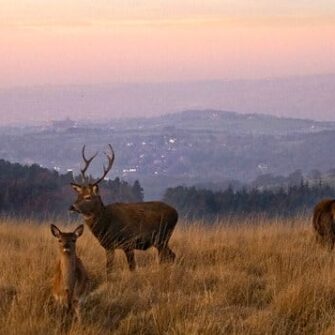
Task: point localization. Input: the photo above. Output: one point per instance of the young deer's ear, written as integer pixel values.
(55, 231)
(95, 189)
(76, 187)
(79, 230)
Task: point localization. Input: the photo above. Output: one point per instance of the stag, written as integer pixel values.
(125, 226)
(324, 222)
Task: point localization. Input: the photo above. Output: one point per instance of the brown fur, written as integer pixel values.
(324, 221)
(70, 278)
(126, 226)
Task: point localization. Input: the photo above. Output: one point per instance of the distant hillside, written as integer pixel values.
(191, 147)
(235, 123)
(299, 97)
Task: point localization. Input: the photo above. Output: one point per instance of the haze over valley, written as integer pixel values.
(192, 147)
(296, 97)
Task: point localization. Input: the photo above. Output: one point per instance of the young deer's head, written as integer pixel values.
(88, 198)
(67, 241)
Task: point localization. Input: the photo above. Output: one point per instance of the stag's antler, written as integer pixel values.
(111, 158)
(87, 162)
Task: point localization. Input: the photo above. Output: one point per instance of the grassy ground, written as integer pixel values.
(257, 277)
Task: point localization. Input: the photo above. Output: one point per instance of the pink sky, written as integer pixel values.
(87, 42)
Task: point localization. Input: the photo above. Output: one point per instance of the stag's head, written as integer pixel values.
(88, 198)
(67, 241)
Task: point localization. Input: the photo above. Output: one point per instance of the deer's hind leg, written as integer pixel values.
(331, 242)
(130, 254)
(165, 254)
(110, 253)
(77, 309)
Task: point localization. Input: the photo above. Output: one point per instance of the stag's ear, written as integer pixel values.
(55, 231)
(76, 187)
(79, 230)
(95, 189)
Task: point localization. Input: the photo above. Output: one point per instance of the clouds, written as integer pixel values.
(86, 14)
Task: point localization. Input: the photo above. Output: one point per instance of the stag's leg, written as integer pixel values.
(66, 318)
(109, 263)
(76, 307)
(328, 242)
(131, 259)
(165, 254)
(69, 303)
(318, 238)
(331, 243)
(329, 238)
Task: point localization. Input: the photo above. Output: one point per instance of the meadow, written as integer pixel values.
(239, 276)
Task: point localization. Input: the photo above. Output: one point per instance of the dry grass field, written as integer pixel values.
(253, 276)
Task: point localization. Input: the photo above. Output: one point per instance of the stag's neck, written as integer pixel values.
(68, 269)
(97, 222)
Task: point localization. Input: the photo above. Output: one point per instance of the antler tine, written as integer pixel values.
(87, 162)
(111, 158)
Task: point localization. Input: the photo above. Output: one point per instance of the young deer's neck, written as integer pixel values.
(68, 269)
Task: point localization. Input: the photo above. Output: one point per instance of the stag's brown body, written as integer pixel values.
(324, 221)
(134, 226)
(126, 226)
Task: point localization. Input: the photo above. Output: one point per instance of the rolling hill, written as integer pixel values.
(190, 147)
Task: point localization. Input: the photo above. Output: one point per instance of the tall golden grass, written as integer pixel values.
(247, 276)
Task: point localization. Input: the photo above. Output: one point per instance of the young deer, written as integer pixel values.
(70, 279)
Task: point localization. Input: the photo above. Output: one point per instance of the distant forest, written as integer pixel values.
(36, 191)
(194, 203)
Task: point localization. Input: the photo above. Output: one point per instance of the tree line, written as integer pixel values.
(37, 191)
(194, 203)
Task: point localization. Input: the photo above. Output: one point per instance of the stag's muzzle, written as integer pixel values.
(72, 208)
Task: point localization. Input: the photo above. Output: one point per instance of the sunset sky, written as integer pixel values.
(87, 42)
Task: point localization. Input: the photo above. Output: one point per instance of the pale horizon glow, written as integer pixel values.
(93, 42)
